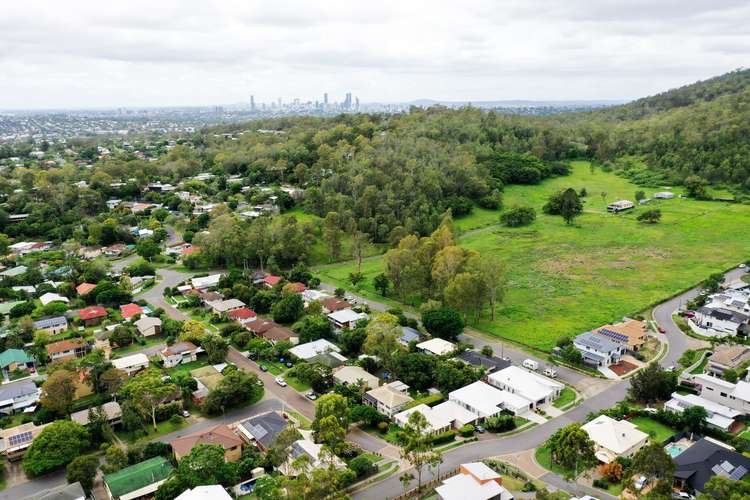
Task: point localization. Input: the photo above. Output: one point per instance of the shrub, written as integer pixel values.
(444, 437)
(383, 427)
(600, 483)
(362, 466)
(518, 216)
(500, 423)
(467, 430)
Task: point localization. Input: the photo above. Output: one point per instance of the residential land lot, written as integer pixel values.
(658, 431)
(566, 279)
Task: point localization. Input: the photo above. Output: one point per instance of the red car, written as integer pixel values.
(661, 329)
(689, 314)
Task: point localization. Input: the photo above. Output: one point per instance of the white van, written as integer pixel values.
(550, 372)
(530, 364)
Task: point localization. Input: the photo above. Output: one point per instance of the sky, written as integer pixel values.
(93, 53)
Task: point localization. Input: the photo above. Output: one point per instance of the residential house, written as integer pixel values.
(346, 319)
(311, 295)
(619, 206)
(705, 459)
(53, 326)
(220, 435)
(263, 429)
(437, 347)
(129, 311)
(14, 272)
(312, 450)
(139, 480)
(534, 388)
(333, 304)
(479, 360)
(5, 307)
(92, 316)
(485, 400)
(14, 441)
(242, 315)
(18, 396)
(205, 282)
(388, 399)
(632, 333)
(598, 350)
(111, 411)
(148, 326)
(271, 281)
(12, 360)
(67, 349)
(131, 364)
(179, 352)
(440, 418)
(717, 415)
(353, 375)
(718, 321)
(409, 334)
(208, 298)
(50, 297)
(735, 396)
(614, 438)
(475, 481)
(727, 356)
(177, 248)
(309, 350)
(115, 250)
(207, 492)
(664, 195)
(208, 378)
(225, 306)
(296, 287)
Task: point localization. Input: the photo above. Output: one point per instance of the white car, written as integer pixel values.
(550, 372)
(281, 381)
(530, 364)
(640, 482)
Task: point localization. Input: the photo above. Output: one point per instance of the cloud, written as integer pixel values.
(85, 53)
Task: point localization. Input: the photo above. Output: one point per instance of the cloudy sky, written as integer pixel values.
(93, 53)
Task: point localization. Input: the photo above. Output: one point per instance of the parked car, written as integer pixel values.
(311, 395)
(690, 314)
(742, 266)
(281, 381)
(185, 413)
(640, 482)
(479, 429)
(530, 364)
(506, 358)
(550, 372)
(681, 495)
(670, 368)
(263, 368)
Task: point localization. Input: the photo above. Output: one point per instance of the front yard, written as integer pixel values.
(567, 397)
(162, 428)
(658, 431)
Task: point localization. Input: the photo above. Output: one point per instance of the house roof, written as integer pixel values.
(65, 345)
(208, 492)
(409, 334)
(297, 287)
(129, 361)
(220, 435)
(50, 297)
(179, 348)
(146, 322)
(473, 485)
(50, 322)
(227, 305)
(111, 409)
(63, 492)
(347, 316)
(718, 415)
(492, 363)
(631, 331)
(486, 399)
(388, 396)
(729, 355)
(435, 421)
(130, 310)
(724, 314)
(242, 313)
(526, 384)
(278, 333)
(92, 312)
(208, 376)
(260, 326)
(264, 428)
(272, 280)
(437, 346)
(617, 436)
(18, 389)
(5, 307)
(20, 436)
(138, 476)
(708, 458)
(597, 342)
(14, 271)
(206, 281)
(333, 304)
(312, 349)
(18, 356)
(352, 374)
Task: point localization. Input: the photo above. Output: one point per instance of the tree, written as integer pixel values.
(280, 449)
(452, 374)
(612, 471)
(383, 333)
(319, 376)
(288, 309)
(518, 216)
(465, 294)
(653, 462)
(331, 405)
(312, 328)
(216, 348)
(640, 195)
(443, 322)
(332, 234)
(193, 331)
(235, 388)
(56, 446)
(148, 248)
(112, 380)
(406, 478)
(696, 187)
(83, 470)
(146, 392)
(205, 465)
(652, 384)
(58, 391)
(416, 369)
(356, 279)
(570, 205)
(650, 216)
(730, 375)
(117, 459)
(359, 242)
(694, 419)
(417, 446)
(381, 284)
(723, 488)
(571, 447)
(330, 432)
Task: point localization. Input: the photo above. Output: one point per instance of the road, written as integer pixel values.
(155, 295)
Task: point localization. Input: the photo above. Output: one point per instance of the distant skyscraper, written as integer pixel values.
(348, 101)
(356, 104)
(325, 99)
(252, 103)
(279, 101)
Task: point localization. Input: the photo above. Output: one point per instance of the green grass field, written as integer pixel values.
(658, 431)
(564, 280)
(567, 396)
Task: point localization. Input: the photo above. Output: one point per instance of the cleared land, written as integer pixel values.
(563, 280)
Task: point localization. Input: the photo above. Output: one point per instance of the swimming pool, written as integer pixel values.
(675, 449)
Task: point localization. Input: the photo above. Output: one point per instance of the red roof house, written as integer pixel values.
(271, 280)
(297, 287)
(243, 315)
(84, 288)
(130, 310)
(190, 251)
(92, 315)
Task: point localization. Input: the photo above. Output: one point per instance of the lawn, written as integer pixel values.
(658, 431)
(543, 457)
(137, 346)
(163, 428)
(567, 396)
(186, 367)
(699, 369)
(566, 279)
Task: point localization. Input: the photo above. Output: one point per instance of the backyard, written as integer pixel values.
(658, 431)
(566, 279)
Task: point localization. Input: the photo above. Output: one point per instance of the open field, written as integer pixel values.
(563, 280)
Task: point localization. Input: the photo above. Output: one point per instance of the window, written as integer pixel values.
(723, 394)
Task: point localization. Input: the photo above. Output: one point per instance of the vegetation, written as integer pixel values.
(56, 446)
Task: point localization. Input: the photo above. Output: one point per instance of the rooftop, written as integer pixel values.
(220, 435)
(138, 476)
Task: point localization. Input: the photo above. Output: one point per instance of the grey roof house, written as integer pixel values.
(263, 429)
(598, 350)
(708, 458)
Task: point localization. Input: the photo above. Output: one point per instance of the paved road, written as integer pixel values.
(31, 489)
(678, 341)
(155, 294)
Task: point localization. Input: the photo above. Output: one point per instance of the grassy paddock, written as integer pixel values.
(566, 279)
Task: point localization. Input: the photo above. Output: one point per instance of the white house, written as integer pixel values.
(474, 481)
(388, 399)
(205, 282)
(718, 321)
(442, 417)
(131, 364)
(598, 350)
(345, 319)
(50, 297)
(437, 346)
(17, 396)
(487, 401)
(148, 326)
(735, 396)
(435, 423)
(312, 450)
(177, 353)
(353, 374)
(225, 306)
(614, 438)
(212, 492)
(664, 195)
(536, 389)
(718, 415)
(619, 206)
(311, 349)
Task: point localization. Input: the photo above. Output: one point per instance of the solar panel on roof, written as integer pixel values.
(727, 466)
(738, 473)
(716, 469)
(20, 438)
